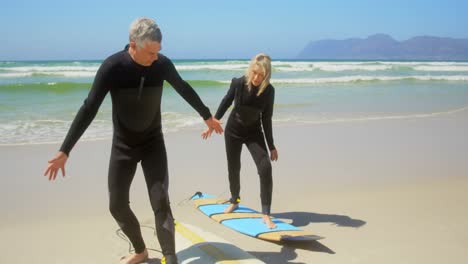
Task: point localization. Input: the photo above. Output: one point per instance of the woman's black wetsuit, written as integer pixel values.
(136, 114)
(244, 126)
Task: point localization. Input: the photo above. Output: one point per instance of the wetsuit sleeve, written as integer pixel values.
(266, 119)
(185, 90)
(87, 111)
(227, 101)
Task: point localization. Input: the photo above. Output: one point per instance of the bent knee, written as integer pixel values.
(264, 167)
(118, 207)
(160, 203)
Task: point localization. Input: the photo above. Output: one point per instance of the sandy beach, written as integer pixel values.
(388, 191)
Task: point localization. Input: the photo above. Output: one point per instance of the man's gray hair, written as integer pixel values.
(144, 29)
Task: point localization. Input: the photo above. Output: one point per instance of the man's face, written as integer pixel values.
(147, 54)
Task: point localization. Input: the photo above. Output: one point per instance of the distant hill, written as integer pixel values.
(384, 47)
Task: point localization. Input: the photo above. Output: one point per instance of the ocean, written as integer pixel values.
(39, 99)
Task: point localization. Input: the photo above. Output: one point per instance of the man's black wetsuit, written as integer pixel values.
(244, 126)
(136, 114)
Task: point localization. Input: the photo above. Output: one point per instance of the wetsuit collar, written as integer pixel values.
(129, 57)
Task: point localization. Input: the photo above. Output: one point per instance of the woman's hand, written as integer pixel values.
(274, 155)
(207, 133)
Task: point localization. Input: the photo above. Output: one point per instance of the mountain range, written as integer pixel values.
(384, 47)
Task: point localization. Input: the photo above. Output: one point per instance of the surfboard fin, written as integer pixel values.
(198, 194)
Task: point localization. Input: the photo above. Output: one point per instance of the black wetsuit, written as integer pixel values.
(136, 114)
(244, 126)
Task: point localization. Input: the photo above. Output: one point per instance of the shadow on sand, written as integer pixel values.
(153, 261)
(304, 218)
(213, 252)
(288, 254)
(288, 251)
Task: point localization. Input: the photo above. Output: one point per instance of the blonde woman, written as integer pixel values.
(253, 97)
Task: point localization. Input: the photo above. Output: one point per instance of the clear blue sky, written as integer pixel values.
(85, 29)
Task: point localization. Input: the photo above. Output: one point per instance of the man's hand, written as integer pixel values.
(215, 124)
(58, 162)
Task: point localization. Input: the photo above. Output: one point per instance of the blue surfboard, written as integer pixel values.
(248, 221)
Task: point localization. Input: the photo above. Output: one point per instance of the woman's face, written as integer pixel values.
(257, 75)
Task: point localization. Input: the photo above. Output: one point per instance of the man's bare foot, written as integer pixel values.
(135, 258)
(231, 208)
(268, 222)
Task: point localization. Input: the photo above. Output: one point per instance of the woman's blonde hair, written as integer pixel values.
(263, 62)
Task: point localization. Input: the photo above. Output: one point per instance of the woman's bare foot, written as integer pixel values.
(231, 208)
(135, 258)
(268, 222)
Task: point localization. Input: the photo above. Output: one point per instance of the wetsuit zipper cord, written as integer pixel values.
(140, 88)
